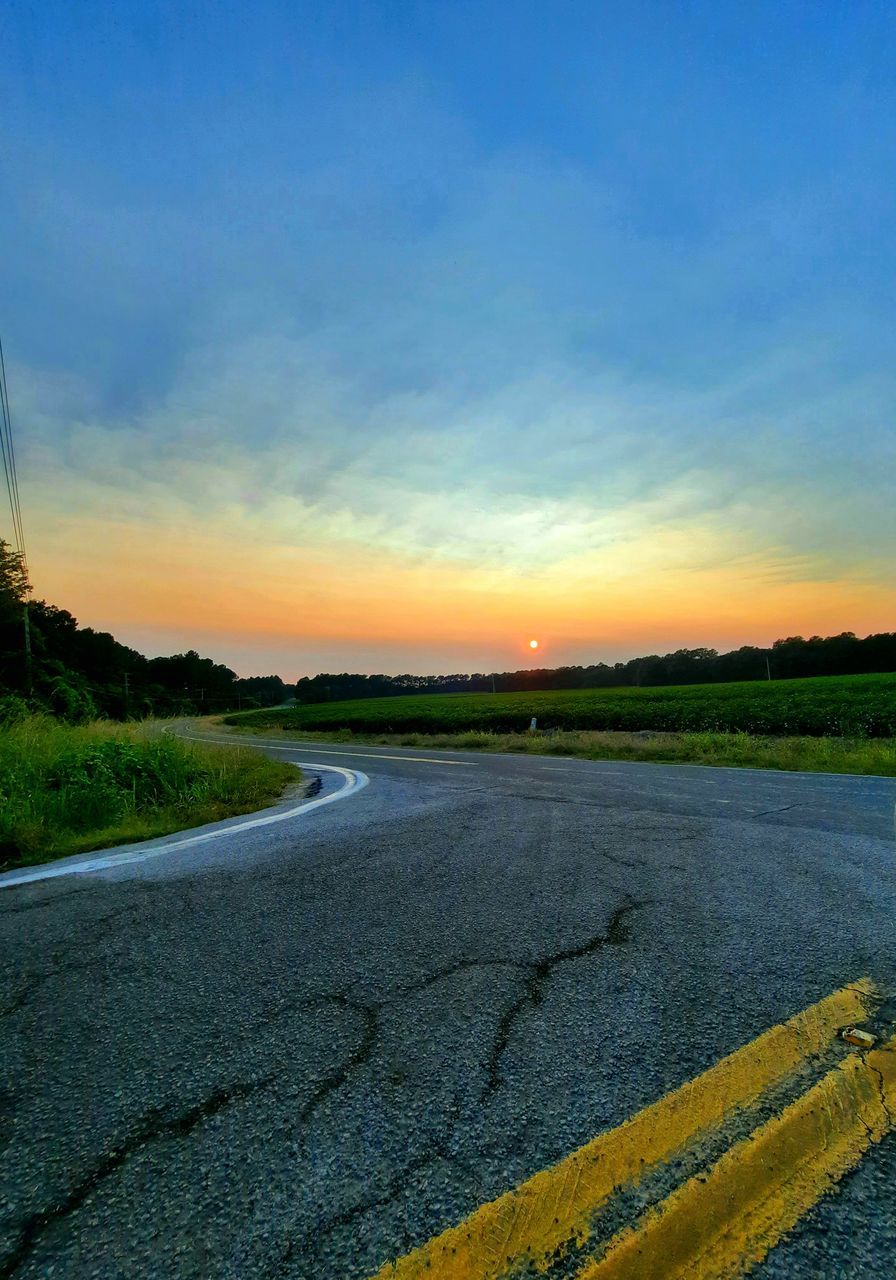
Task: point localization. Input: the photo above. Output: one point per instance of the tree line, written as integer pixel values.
(844, 654)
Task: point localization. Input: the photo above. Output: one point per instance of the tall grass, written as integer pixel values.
(745, 750)
(65, 788)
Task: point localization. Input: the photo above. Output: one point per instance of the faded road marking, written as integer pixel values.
(553, 1208)
(234, 741)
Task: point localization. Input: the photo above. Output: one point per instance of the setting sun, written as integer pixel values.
(533, 644)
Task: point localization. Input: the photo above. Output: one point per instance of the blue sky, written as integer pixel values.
(444, 323)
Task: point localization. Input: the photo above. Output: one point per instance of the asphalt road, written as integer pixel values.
(301, 1049)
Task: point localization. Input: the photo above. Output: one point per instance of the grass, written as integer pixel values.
(743, 750)
(65, 789)
(856, 707)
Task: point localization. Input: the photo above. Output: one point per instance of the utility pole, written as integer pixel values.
(127, 698)
(29, 682)
(493, 682)
(768, 670)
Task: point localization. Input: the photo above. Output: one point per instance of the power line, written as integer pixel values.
(12, 475)
(7, 448)
(7, 467)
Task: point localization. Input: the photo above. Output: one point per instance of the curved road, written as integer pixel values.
(304, 1048)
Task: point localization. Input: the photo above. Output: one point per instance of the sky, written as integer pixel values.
(385, 336)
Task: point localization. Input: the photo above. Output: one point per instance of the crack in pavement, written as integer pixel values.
(59, 962)
(358, 1057)
(295, 1246)
(882, 1090)
(48, 901)
(638, 862)
(36, 981)
(765, 812)
(156, 1125)
(448, 971)
(153, 1126)
(538, 973)
(542, 799)
(394, 1190)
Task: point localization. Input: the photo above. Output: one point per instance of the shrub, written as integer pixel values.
(12, 709)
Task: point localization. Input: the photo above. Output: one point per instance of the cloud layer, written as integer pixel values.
(373, 380)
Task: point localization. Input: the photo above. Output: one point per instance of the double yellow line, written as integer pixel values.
(719, 1222)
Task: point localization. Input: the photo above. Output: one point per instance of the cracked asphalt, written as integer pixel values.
(301, 1050)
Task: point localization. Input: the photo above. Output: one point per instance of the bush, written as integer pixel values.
(12, 709)
(69, 702)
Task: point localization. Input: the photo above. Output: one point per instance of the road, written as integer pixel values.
(304, 1049)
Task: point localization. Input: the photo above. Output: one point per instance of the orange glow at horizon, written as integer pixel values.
(198, 588)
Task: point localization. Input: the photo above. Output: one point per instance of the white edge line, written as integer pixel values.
(366, 755)
(355, 781)
(301, 743)
(584, 761)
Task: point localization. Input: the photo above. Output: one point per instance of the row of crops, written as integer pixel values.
(843, 706)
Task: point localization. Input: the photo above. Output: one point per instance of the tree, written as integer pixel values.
(14, 588)
(14, 584)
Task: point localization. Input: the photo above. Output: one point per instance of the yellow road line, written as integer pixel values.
(538, 1217)
(720, 1225)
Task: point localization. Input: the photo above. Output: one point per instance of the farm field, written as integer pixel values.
(857, 707)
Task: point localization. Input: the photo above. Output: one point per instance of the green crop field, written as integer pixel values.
(838, 706)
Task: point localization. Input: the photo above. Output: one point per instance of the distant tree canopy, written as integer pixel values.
(78, 672)
(845, 654)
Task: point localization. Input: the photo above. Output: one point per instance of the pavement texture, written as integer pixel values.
(303, 1049)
